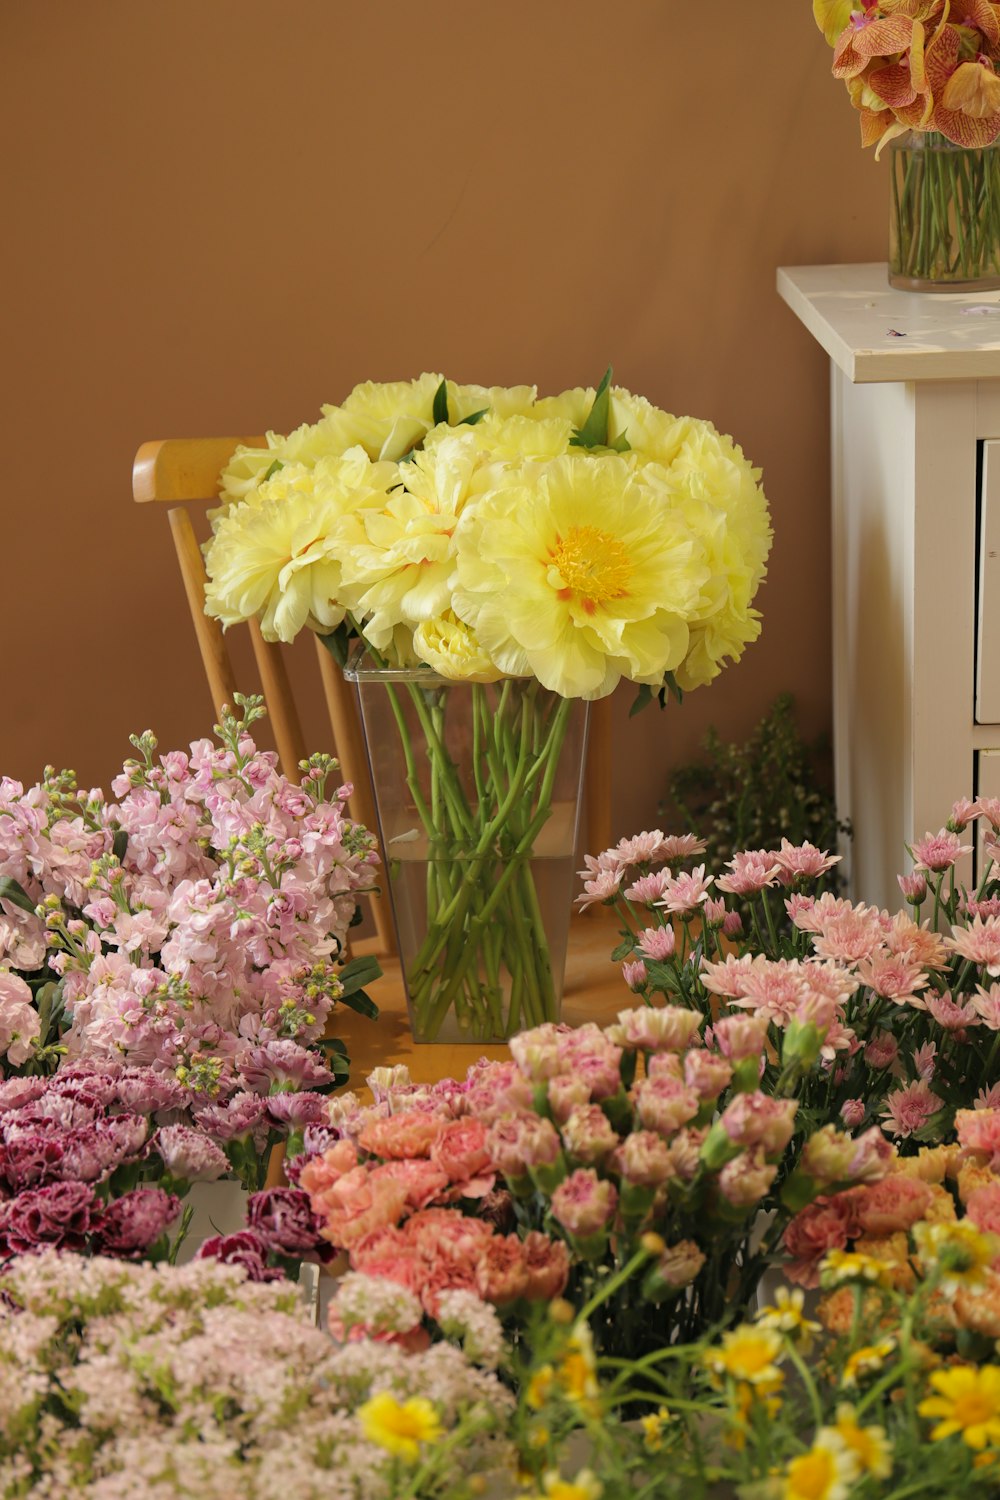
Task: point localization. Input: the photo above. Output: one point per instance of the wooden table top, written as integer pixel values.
(594, 991)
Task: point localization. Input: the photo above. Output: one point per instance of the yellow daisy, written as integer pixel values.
(826, 1472)
(967, 1401)
(400, 1427)
(867, 1360)
(869, 1445)
(749, 1354)
(958, 1253)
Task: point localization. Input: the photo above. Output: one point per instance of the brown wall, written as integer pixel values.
(222, 213)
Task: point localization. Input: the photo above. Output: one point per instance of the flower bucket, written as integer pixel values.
(477, 790)
(944, 215)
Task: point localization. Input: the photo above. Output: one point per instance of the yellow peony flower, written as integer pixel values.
(386, 418)
(504, 401)
(579, 576)
(967, 1401)
(276, 555)
(450, 647)
(399, 1427)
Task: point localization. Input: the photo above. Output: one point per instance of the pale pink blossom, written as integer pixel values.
(802, 861)
(988, 1098)
(680, 1264)
(951, 1016)
(852, 1112)
(658, 943)
(989, 808)
(601, 886)
(634, 974)
(739, 1037)
(916, 942)
(650, 848)
(588, 1135)
(894, 977)
(909, 1108)
(667, 1028)
(849, 936)
(751, 870)
(745, 1180)
(647, 889)
(939, 851)
(963, 812)
(706, 1073)
(925, 1061)
(913, 887)
(980, 943)
(978, 1131)
(685, 893)
(758, 1120)
(987, 906)
(728, 978)
(882, 1050)
(732, 925)
(643, 1159)
(664, 1104)
(987, 1005)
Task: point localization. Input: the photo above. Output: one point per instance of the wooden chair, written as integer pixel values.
(175, 471)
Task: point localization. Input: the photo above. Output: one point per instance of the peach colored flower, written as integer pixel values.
(897, 1202)
(979, 942)
(403, 1136)
(358, 1204)
(460, 1150)
(908, 1109)
(546, 1265)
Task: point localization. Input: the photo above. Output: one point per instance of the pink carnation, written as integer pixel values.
(584, 1204)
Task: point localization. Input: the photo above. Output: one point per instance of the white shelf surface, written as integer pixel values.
(874, 333)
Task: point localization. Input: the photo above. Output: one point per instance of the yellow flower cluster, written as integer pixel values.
(489, 533)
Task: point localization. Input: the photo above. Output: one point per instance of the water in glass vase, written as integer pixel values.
(944, 215)
(477, 788)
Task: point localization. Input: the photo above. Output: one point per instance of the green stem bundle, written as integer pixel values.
(945, 212)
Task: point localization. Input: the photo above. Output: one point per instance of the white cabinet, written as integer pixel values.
(915, 441)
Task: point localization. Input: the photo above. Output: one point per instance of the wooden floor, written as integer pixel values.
(595, 991)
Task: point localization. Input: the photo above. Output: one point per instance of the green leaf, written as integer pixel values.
(473, 418)
(15, 894)
(594, 432)
(440, 410)
(119, 844)
(361, 1002)
(359, 972)
(272, 470)
(623, 951)
(643, 698)
(338, 643)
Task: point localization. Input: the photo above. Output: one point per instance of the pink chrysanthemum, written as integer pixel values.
(939, 851)
(752, 870)
(908, 1109)
(980, 943)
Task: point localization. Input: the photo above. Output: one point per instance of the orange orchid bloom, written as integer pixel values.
(966, 93)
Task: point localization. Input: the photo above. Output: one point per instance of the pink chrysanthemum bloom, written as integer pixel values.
(988, 906)
(732, 925)
(648, 888)
(801, 861)
(989, 808)
(908, 1109)
(980, 942)
(882, 1050)
(915, 941)
(939, 851)
(852, 1112)
(988, 1098)
(962, 814)
(634, 974)
(987, 1006)
(728, 978)
(925, 1061)
(951, 1016)
(913, 887)
(774, 988)
(752, 870)
(656, 942)
(686, 892)
(681, 846)
(657, 848)
(603, 887)
(893, 977)
(850, 935)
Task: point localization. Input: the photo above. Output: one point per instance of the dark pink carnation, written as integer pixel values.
(135, 1221)
(284, 1221)
(245, 1249)
(58, 1215)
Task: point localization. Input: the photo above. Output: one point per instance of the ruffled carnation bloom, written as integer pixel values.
(189, 1155)
(584, 1204)
(758, 1120)
(60, 1215)
(131, 1224)
(643, 1159)
(978, 1131)
(244, 1249)
(740, 1037)
(680, 1264)
(588, 1135)
(745, 1180)
(668, 1028)
(824, 1225)
(663, 1104)
(283, 1220)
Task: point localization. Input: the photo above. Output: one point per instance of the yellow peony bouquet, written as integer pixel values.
(540, 549)
(576, 539)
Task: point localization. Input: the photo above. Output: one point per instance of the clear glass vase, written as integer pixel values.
(944, 215)
(477, 790)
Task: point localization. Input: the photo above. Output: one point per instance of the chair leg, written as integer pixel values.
(280, 703)
(349, 748)
(208, 632)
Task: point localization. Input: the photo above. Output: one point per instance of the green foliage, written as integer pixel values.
(750, 796)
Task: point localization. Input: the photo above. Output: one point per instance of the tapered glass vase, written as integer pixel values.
(477, 790)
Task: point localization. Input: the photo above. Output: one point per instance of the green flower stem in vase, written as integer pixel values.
(478, 791)
(944, 220)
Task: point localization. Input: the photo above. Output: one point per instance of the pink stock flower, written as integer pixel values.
(758, 1120)
(19, 1022)
(938, 851)
(752, 870)
(801, 861)
(588, 1135)
(658, 943)
(980, 943)
(584, 1204)
(745, 1180)
(685, 893)
(908, 1109)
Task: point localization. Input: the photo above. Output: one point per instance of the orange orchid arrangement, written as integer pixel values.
(924, 65)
